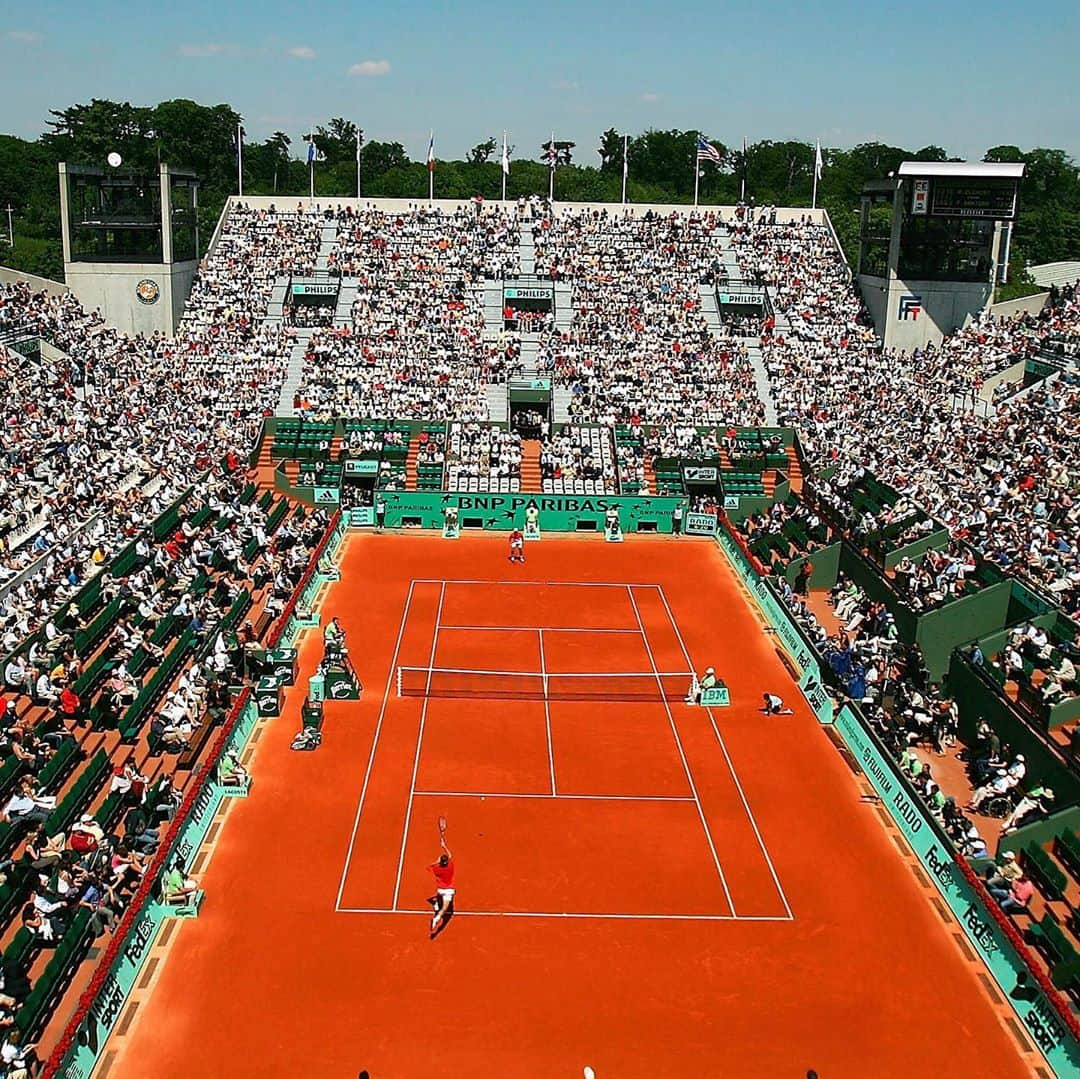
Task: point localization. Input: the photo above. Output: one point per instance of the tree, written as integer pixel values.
(481, 153)
(379, 158)
(611, 151)
(279, 144)
(1012, 154)
(337, 141)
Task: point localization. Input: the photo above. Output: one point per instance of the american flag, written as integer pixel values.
(707, 152)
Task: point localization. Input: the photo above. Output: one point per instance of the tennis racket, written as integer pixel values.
(442, 828)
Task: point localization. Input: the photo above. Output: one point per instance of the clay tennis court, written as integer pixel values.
(644, 887)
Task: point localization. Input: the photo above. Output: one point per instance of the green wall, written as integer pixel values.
(826, 562)
(977, 697)
(558, 513)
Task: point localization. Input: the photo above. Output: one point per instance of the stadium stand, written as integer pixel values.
(137, 559)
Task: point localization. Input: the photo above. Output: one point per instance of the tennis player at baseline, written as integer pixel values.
(443, 899)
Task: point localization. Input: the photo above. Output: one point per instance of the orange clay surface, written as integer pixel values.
(704, 894)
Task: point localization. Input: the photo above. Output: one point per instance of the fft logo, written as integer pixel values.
(910, 306)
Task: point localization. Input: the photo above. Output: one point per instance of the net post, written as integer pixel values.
(399, 681)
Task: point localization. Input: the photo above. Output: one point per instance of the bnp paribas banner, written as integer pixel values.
(558, 513)
(993, 947)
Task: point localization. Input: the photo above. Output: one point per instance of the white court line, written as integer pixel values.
(374, 746)
(545, 629)
(678, 743)
(419, 742)
(558, 797)
(538, 584)
(730, 764)
(577, 914)
(547, 710)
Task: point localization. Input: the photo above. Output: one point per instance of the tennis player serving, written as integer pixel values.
(443, 870)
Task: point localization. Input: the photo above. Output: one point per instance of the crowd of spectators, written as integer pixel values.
(638, 347)
(416, 345)
(483, 457)
(578, 460)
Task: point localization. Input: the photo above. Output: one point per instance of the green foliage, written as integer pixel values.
(185, 133)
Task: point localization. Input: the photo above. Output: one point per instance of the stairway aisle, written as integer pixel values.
(410, 464)
(761, 379)
(794, 470)
(527, 250)
(294, 373)
(530, 466)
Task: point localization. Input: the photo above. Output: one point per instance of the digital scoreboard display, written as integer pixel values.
(994, 199)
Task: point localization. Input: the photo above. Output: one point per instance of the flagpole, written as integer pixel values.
(742, 183)
(358, 161)
(625, 165)
(697, 168)
(551, 170)
(311, 161)
(431, 168)
(817, 169)
(502, 168)
(240, 157)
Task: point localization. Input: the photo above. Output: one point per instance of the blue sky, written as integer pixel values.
(963, 75)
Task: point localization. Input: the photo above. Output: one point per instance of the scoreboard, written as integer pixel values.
(963, 197)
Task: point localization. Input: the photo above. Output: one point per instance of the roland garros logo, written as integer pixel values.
(147, 291)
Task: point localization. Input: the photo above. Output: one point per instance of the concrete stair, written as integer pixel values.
(564, 310)
(328, 234)
(761, 378)
(710, 311)
(492, 300)
(527, 252)
(275, 309)
(530, 466)
(530, 352)
(294, 373)
(560, 404)
(345, 300)
(497, 402)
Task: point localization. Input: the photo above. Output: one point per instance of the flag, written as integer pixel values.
(818, 163)
(505, 158)
(625, 156)
(707, 152)
(552, 153)
(431, 153)
(312, 152)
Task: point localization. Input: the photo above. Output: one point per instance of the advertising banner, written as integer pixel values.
(558, 513)
(801, 655)
(1008, 969)
(701, 524)
(356, 466)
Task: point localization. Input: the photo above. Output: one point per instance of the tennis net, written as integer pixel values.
(539, 686)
